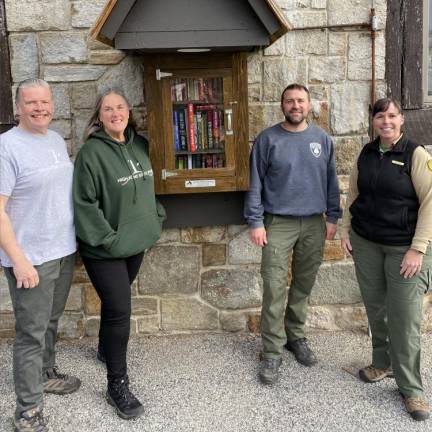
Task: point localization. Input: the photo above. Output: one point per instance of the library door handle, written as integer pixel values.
(165, 174)
(228, 129)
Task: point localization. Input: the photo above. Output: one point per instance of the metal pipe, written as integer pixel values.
(374, 28)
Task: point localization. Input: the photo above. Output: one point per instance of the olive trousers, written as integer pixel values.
(304, 237)
(394, 309)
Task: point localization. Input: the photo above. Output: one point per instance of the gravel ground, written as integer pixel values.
(208, 382)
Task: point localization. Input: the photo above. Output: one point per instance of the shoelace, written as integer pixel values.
(124, 393)
(38, 418)
(417, 403)
(58, 375)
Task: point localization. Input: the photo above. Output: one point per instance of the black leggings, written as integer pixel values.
(112, 279)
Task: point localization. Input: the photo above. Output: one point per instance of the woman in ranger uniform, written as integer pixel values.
(117, 217)
(388, 230)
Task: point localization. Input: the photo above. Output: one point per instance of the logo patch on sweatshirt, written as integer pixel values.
(315, 148)
(429, 164)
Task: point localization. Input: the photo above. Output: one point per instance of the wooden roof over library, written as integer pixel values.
(189, 25)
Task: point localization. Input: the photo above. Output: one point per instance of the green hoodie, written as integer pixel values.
(116, 212)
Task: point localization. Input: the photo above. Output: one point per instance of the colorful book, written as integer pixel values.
(182, 130)
(191, 128)
(176, 130)
(215, 130)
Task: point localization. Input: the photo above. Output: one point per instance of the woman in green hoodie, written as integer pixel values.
(117, 217)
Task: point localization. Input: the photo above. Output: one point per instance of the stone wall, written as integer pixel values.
(207, 279)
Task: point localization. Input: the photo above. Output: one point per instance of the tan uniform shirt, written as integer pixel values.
(421, 176)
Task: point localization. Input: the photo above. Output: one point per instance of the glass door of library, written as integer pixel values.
(200, 153)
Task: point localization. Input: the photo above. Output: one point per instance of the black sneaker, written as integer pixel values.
(122, 399)
(302, 352)
(58, 383)
(31, 420)
(269, 370)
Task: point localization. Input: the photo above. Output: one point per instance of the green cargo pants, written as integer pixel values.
(37, 312)
(304, 237)
(394, 309)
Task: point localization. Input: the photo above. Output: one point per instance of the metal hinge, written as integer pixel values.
(165, 174)
(160, 74)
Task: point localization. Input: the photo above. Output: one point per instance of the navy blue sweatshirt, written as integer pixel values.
(292, 174)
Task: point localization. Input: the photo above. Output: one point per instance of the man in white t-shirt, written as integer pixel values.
(37, 248)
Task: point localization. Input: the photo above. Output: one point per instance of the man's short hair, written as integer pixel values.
(295, 87)
(30, 82)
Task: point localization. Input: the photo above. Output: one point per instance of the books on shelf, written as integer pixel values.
(198, 118)
(197, 128)
(201, 160)
(197, 89)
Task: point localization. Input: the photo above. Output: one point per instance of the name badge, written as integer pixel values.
(397, 163)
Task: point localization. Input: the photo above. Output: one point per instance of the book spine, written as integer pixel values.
(197, 119)
(189, 161)
(215, 131)
(182, 130)
(191, 128)
(210, 129)
(176, 130)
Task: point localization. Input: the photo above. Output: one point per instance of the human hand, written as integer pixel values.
(346, 246)
(331, 229)
(411, 263)
(26, 275)
(258, 236)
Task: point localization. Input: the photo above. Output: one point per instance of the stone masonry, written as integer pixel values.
(207, 279)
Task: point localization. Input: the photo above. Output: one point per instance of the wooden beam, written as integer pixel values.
(412, 60)
(394, 43)
(284, 25)
(6, 106)
(95, 30)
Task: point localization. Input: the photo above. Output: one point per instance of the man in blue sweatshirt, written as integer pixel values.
(292, 207)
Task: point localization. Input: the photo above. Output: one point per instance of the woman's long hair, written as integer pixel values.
(94, 123)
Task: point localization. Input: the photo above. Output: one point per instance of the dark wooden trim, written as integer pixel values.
(394, 43)
(95, 30)
(6, 107)
(412, 64)
(404, 52)
(116, 18)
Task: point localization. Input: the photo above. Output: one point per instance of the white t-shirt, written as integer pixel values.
(36, 175)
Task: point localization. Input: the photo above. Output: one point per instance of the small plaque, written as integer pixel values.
(200, 183)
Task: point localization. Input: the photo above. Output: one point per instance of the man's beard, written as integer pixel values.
(294, 120)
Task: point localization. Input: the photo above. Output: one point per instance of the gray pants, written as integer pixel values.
(305, 238)
(37, 311)
(394, 309)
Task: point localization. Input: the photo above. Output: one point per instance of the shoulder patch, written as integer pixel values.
(429, 164)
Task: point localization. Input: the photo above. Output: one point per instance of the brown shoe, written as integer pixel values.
(372, 374)
(417, 407)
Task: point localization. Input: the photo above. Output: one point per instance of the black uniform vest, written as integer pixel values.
(386, 208)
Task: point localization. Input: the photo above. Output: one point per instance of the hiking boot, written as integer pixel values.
(122, 399)
(269, 370)
(370, 374)
(31, 420)
(58, 383)
(417, 407)
(303, 354)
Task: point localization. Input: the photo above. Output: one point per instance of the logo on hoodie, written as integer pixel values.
(135, 173)
(315, 148)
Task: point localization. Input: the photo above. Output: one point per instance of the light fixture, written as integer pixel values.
(193, 50)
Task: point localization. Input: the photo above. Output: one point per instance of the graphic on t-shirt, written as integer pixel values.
(315, 148)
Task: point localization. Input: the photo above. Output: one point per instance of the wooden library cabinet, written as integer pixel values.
(198, 121)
